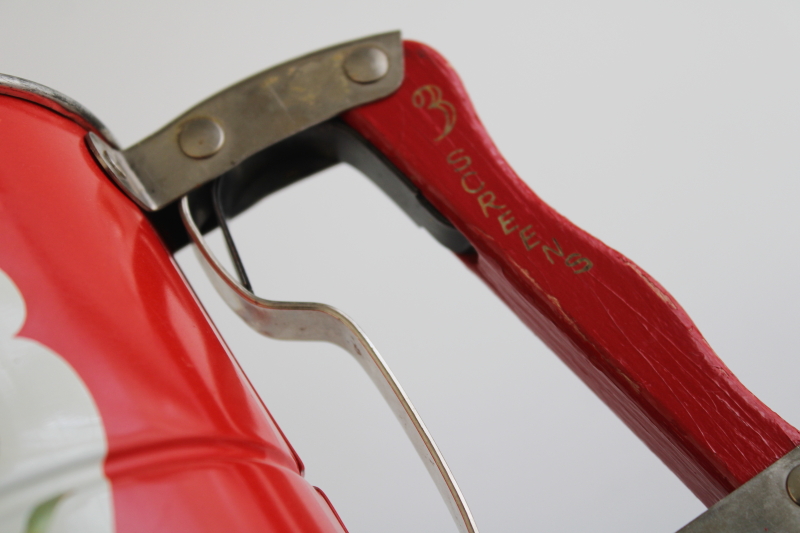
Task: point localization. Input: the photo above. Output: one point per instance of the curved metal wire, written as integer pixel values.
(320, 322)
(219, 211)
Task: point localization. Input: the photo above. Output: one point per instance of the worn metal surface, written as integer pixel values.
(761, 504)
(257, 113)
(54, 100)
(201, 137)
(366, 65)
(116, 167)
(320, 322)
(793, 484)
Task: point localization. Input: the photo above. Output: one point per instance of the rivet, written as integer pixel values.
(116, 169)
(367, 64)
(793, 484)
(201, 137)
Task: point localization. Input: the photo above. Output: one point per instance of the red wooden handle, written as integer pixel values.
(615, 326)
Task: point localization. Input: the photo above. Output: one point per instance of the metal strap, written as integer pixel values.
(217, 135)
(320, 322)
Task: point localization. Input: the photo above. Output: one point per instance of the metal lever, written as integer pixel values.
(320, 322)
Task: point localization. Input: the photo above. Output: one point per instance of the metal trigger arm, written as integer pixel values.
(278, 166)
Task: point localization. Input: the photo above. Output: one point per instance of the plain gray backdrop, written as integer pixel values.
(670, 130)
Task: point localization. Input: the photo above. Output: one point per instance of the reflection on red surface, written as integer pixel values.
(191, 447)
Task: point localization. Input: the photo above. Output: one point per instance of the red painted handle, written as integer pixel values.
(615, 326)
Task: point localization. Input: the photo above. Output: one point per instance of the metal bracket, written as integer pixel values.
(765, 503)
(218, 134)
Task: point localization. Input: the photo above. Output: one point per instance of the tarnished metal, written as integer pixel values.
(54, 100)
(320, 322)
(116, 166)
(367, 64)
(761, 504)
(261, 111)
(793, 484)
(201, 137)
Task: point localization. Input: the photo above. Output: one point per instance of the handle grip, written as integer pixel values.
(611, 323)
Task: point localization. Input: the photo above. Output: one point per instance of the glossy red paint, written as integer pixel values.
(191, 447)
(615, 326)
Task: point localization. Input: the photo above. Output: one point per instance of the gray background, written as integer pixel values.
(670, 130)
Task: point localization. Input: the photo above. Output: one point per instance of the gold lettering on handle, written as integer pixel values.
(486, 200)
(506, 222)
(430, 97)
(467, 187)
(461, 162)
(586, 268)
(575, 259)
(527, 237)
(557, 250)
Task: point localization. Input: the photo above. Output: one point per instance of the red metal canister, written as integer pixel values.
(121, 409)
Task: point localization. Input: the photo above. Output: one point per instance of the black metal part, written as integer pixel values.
(219, 211)
(293, 159)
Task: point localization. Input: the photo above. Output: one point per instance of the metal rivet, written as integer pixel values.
(367, 64)
(793, 484)
(201, 137)
(115, 168)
